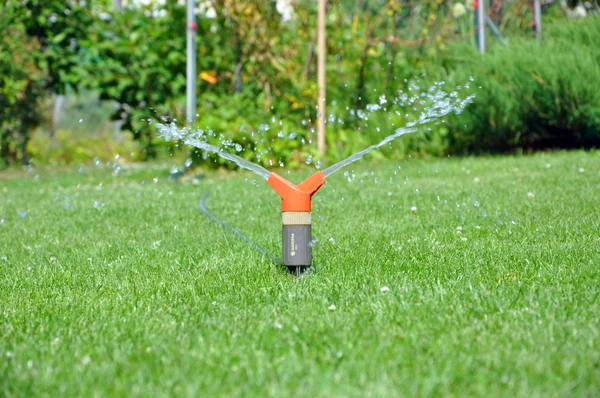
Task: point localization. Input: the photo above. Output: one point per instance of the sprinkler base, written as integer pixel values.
(296, 219)
(298, 269)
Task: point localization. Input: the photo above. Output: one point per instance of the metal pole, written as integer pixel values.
(191, 62)
(537, 11)
(321, 78)
(495, 30)
(481, 24)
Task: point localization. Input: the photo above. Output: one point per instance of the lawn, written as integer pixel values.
(456, 276)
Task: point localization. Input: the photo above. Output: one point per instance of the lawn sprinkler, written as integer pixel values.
(296, 204)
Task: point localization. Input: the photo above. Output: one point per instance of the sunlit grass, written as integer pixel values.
(448, 277)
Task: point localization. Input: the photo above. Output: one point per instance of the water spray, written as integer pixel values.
(296, 206)
(296, 200)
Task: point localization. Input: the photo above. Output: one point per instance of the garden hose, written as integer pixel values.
(235, 231)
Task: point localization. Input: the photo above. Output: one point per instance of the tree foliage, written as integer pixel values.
(136, 60)
(21, 88)
(59, 27)
(39, 53)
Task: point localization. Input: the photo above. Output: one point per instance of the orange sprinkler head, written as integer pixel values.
(296, 198)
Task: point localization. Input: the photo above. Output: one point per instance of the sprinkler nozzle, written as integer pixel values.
(296, 204)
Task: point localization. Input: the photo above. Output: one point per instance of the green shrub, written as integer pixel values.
(70, 147)
(257, 134)
(533, 95)
(137, 61)
(21, 91)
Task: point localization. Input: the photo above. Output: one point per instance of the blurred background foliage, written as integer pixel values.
(84, 80)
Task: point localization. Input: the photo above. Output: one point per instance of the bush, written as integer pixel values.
(250, 132)
(70, 147)
(39, 54)
(136, 60)
(533, 95)
(21, 91)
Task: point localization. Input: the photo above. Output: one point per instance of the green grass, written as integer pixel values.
(142, 295)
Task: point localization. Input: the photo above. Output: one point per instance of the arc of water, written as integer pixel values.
(443, 104)
(440, 109)
(171, 131)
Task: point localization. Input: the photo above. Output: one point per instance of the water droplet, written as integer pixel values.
(309, 159)
(413, 208)
(318, 164)
(80, 120)
(476, 204)
(23, 213)
(97, 205)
